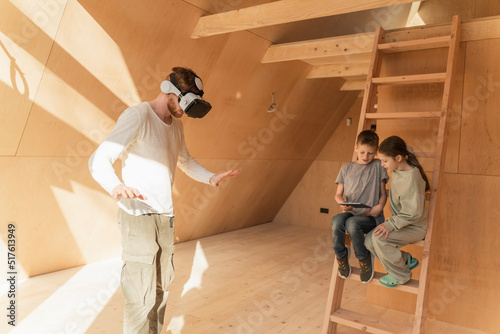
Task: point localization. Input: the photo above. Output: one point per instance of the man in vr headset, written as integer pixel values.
(149, 138)
(190, 97)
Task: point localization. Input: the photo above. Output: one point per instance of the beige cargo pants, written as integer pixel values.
(388, 253)
(148, 269)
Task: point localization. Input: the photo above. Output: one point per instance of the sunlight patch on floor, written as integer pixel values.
(200, 265)
(78, 302)
(176, 324)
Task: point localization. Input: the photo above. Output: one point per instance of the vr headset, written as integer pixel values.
(192, 104)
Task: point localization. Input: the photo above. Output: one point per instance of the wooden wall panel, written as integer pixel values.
(451, 163)
(480, 117)
(253, 198)
(435, 12)
(249, 131)
(315, 190)
(432, 12)
(155, 38)
(422, 134)
(464, 290)
(341, 145)
(91, 80)
(62, 218)
(317, 187)
(27, 30)
(485, 8)
(348, 102)
(241, 97)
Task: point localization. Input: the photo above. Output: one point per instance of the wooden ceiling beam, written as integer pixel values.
(283, 11)
(349, 48)
(342, 47)
(338, 70)
(352, 58)
(353, 85)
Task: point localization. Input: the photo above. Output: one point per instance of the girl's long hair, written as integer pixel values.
(394, 146)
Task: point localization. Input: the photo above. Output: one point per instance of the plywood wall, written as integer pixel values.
(463, 281)
(432, 12)
(317, 187)
(69, 68)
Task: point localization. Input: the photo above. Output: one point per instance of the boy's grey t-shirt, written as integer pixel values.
(362, 184)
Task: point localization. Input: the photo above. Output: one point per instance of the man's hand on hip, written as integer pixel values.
(126, 192)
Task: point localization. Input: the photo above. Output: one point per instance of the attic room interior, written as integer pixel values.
(291, 84)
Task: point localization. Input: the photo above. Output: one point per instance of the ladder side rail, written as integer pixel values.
(370, 89)
(333, 302)
(422, 298)
(337, 283)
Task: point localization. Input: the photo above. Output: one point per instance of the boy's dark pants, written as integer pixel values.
(357, 226)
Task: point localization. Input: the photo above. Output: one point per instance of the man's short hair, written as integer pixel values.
(185, 78)
(367, 137)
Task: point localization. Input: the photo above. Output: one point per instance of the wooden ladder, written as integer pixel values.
(334, 314)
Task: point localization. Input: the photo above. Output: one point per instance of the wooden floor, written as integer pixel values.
(271, 278)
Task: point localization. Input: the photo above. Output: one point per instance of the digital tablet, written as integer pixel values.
(356, 205)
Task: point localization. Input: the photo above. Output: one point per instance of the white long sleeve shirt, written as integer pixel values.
(150, 149)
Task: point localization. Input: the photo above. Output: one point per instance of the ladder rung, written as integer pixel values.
(411, 286)
(410, 79)
(416, 44)
(401, 115)
(418, 243)
(367, 323)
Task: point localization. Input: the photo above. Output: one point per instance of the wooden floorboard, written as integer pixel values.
(266, 279)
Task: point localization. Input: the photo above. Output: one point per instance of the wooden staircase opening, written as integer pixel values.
(334, 314)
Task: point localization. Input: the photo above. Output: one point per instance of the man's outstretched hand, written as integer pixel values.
(216, 178)
(126, 192)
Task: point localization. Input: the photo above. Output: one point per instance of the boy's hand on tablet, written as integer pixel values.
(346, 207)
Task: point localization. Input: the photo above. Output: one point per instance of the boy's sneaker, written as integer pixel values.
(366, 269)
(344, 267)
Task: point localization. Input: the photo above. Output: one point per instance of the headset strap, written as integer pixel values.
(176, 84)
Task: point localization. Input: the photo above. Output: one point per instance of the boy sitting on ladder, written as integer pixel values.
(362, 181)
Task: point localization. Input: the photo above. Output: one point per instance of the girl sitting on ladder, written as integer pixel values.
(409, 215)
